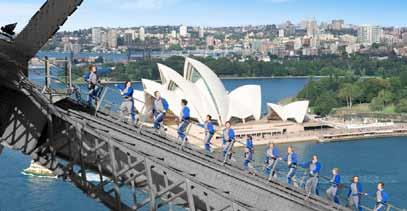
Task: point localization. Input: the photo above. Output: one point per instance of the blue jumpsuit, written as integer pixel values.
(227, 140)
(311, 185)
(332, 191)
(160, 107)
(292, 166)
(381, 200)
(185, 116)
(248, 155)
(92, 79)
(354, 195)
(209, 132)
(128, 102)
(271, 157)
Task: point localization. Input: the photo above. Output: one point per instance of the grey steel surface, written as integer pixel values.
(86, 147)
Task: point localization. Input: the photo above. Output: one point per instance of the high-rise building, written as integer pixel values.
(377, 34)
(142, 34)
(128, 39)
(337, 24)
(131, 32)
(112, 38)
(404, 37)
(66, 43)
(370, 34)
(281, 33)
(289, 29)
(129, 36)
(96, 35)
(201, 32)
(312, 28)
(174, 34)
(183, 31)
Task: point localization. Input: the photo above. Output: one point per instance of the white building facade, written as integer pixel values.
(369, 34)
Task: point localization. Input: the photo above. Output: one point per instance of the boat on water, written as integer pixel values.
(36, 169)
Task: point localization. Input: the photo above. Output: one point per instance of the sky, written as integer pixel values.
(124, 13)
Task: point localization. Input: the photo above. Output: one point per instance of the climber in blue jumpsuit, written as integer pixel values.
(381, 198)
(92, 79)
(228, 139)
(314, 168)
(271, 155)
(335, 181)
(292, 164)
(209, 132)
(160, 108)
(127, 105)
(355, 193)
(184, 116)
(248, 152)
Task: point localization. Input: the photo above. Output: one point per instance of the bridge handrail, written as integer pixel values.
(389, 206)
(368, 196)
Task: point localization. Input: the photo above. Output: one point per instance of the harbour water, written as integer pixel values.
(374, 160)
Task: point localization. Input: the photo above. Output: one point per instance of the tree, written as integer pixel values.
(349, 92)
(401, 107)
(376, 104)
(386, 96)
(325, 103)
(371, 86)
(345, 92)
(356, 91)
(381, 72)
(403, 78)
(175, 47)
(383, 99)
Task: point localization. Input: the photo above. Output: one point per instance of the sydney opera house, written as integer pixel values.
(296, 111)
(206, 94)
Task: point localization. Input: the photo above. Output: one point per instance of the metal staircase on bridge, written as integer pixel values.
(71, 142)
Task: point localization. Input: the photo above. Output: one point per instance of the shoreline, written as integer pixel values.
(269, 77)
(319, 137)
(236, 78)
(227, 78)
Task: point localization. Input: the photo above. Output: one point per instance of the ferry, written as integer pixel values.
(36, 169)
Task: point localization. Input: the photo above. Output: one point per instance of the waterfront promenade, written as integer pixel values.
(196, 135)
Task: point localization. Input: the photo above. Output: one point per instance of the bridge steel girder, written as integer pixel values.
(251, 190)
(43, 25)
(75, 149)
(90, 148)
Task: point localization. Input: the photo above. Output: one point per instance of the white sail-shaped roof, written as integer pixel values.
(208, 82)
(245, 101)
(139, 100)
(184, 89)
(296, 110)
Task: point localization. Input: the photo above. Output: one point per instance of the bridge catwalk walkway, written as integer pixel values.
(133, 137)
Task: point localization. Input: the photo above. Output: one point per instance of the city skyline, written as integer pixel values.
(129, 13)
